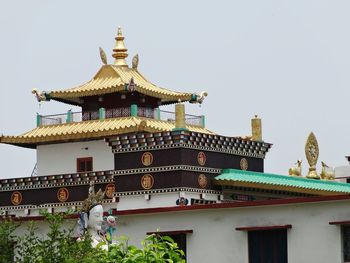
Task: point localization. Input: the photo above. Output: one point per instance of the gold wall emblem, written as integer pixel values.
(202, 181)
(147, 159)
(16, 198)
(243, 164)
(201, 158)
(110, 189)
(147, 181)
(62, 194)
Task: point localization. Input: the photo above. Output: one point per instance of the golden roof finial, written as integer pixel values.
(119, 52)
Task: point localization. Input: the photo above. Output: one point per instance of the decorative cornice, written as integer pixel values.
(59, 180)
(190, 140)
(48, 205)
(168, 190)
(168, 169)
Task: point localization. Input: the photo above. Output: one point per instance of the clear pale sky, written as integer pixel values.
(287, 61)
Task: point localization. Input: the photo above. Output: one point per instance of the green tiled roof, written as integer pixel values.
(290, 182)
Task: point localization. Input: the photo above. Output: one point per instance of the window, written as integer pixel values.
(268, 246)
(179, 237)
(346, 243)
(180, 240)
(84, 164)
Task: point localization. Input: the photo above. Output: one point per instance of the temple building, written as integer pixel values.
(167, 172)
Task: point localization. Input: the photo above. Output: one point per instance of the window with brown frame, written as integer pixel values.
(84, 164)
(268, 246)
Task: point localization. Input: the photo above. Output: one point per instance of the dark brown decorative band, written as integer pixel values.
(49, 205)
(153, 141)
(202, 148)
(168, 169)
(53, 185)
(168, 190)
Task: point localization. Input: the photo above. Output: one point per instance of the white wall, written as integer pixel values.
(158, 200)
(62, 158)
(214, 239)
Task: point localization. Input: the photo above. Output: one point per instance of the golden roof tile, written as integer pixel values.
(112, 78)
(92, 130)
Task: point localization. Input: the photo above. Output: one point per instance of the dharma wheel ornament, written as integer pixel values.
(312, 152)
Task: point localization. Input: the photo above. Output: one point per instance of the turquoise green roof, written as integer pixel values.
(281, 182)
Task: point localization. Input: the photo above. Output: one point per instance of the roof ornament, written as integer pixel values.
(199, 98)
(296, 171)
(40, 96)
(312, 152)
(130, 87)
(135, 61)
(120, 51)
(327, 172)
(103, 56)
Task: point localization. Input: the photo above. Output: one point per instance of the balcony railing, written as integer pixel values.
(43, 120)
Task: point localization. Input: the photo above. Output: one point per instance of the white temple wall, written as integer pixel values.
(158, 200)
(214, 238)
(62, 158)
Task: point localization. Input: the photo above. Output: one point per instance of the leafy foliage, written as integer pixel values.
(7, 240)
(58, 246)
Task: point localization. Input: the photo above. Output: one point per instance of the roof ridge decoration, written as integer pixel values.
(105, 82)
(120, 51)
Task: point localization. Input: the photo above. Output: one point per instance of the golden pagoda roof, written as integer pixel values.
(92, 130)
(113, 78)
(117, 77)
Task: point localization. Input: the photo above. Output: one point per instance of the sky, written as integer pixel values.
(287, 61)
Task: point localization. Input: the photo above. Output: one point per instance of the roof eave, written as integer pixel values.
(267, 186)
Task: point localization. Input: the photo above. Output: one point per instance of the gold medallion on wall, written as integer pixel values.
(147, 181)
(201, 158)
(202, 181)
(16, 198)
(147, 159)
(62, 194)
(243, 164)
(110, 189)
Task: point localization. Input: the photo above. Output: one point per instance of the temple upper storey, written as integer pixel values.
(118, 85)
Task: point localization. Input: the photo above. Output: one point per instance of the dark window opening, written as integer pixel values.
(179, 237)
(84, 164)
(346, 243)
(268, 246)
(180, 240)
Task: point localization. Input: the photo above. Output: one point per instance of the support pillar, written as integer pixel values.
(133, 110)
(101, 113)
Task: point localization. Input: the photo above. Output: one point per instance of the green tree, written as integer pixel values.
(7, 240)
(58, 246)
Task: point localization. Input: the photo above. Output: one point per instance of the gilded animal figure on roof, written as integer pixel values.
(327, 172)
(296, 171)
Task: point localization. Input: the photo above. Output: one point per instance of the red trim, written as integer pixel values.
(235, 204)
(340, 223)
(256, 228)
(176, 232)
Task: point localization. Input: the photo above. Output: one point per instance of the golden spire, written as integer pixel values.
(119, 52)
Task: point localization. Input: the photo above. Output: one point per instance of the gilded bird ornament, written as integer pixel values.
(103, 56)
(135, 61)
